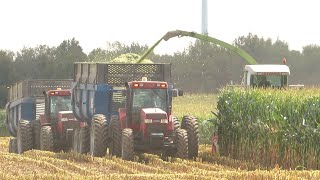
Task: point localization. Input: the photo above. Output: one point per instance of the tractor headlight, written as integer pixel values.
(148, 121)
(164, 120)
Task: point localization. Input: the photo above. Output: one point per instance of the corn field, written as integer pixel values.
(48, 165)
(270, 127)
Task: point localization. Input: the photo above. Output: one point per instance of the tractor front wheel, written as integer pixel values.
(127, 152)
(84, 140)
(181, 140)
(115, 148)
(46, 138)
(190, 124)
(24, 136)
(36, 127)
(98, 136)
(176, 123)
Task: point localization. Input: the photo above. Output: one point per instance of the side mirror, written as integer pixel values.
(180, 92)
(44, 93)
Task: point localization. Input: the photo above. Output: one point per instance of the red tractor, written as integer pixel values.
(146, 124)
(54, 131)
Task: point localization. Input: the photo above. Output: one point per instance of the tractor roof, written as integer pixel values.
(270, 68)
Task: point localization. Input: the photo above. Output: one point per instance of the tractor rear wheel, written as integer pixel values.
(127, 152)
(24, 136)
(98, 136)
(84, 140)
(46, 138)
(13, 148)
(190, 124)
(176, 123)
(116, 135)
(36, 127)
(181, 140)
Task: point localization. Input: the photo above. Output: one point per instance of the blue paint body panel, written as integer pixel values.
(23, 108)
(90, 99)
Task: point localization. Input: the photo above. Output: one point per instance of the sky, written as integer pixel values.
(28, 23)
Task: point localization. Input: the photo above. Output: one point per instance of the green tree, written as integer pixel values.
(6, 60)
(68, 52)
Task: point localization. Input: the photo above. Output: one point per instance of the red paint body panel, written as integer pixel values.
(148, 85)
(170, 126)
(63, 117)
(122, 117)
(83, 124)
(64, 92)
(150, 111)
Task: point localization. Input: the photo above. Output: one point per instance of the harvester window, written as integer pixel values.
(270, 80)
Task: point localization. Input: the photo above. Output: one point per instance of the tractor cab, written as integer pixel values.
(148, 110)
(266, 75)
(57, 105)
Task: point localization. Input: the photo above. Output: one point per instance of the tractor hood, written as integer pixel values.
(66, 116)
(153, 113)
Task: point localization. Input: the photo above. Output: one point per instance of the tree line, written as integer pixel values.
(201, 67)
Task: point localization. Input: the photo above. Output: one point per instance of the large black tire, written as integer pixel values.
(127, 152)
(46, 138)
(176, 123)
(13, 148)
(36, 127)
(24, 136)
(84, 140)
(98, 136)
(181, 140)
(190, 124)
(116, 136)
(75, 140)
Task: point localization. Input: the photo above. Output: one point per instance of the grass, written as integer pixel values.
(198, 105)
(3, 128)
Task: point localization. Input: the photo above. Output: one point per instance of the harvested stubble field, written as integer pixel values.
(48, 165)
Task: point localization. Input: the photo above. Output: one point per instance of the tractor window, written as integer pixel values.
(269, 80)
(60, 103)
(149, 98)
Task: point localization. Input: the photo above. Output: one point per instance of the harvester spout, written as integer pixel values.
(180, 33)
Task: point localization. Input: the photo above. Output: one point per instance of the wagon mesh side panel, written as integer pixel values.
(118, 74)
(38, 86)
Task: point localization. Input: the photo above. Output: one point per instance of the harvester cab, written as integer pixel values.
(266, 75)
